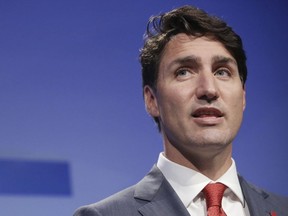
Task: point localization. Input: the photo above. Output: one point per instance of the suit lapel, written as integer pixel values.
(157, 196)
(256, 199)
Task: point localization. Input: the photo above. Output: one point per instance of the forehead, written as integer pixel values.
(182, 45)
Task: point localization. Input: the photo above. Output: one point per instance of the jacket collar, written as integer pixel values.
(158, 196)
(256, 199)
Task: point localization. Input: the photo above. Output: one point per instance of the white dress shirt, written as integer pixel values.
(188, 184)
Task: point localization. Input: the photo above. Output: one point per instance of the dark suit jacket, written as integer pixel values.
(153, 196)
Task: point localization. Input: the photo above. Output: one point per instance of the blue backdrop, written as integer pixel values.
(71, 99)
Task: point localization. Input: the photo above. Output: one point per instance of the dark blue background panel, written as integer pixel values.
(24, 177)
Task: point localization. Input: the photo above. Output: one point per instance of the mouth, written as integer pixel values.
(207, 112)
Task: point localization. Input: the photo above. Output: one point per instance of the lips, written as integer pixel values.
(207, 112)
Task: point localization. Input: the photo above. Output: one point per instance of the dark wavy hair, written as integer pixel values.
(191, 21)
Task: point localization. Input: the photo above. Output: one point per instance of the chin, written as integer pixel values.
(212, 140)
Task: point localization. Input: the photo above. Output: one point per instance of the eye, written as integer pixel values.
(183, 72)
(223, 73)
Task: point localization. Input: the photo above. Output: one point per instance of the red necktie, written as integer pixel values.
(213, 194)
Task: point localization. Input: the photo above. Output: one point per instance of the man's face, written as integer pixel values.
(199, 98)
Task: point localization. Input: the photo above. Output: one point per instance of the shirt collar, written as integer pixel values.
(231, 180)
(188, 183)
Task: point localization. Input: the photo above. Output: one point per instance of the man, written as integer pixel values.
(194, 73)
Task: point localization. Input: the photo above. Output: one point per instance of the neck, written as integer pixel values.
(212, 163)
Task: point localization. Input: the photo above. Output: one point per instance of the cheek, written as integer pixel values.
(234, 97)
(237, 106)
(173, 100)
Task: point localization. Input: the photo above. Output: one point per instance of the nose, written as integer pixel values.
(207, 88)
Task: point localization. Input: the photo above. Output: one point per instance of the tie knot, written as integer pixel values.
(213, 194)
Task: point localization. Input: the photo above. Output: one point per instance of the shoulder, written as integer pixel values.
(276, 200)
(273, 197)
(121, 203)
(260, 198)
(127, 201)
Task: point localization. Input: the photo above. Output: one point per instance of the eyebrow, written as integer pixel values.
(223, 60)
(191, 60)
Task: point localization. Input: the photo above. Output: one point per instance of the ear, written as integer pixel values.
(150, 101)
(244, 99)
